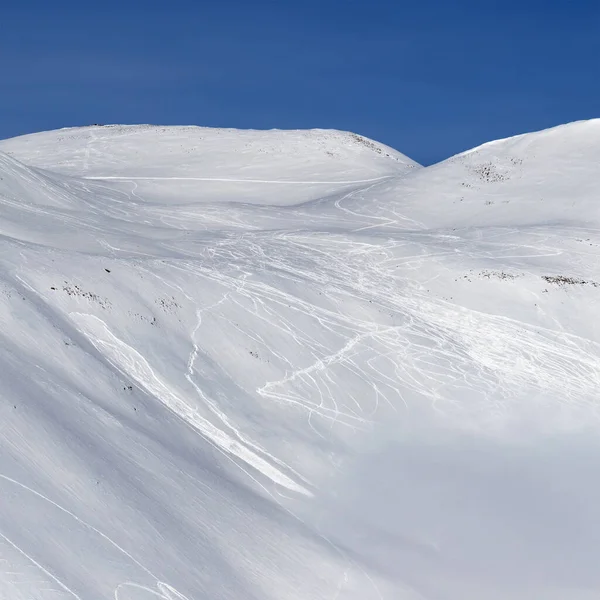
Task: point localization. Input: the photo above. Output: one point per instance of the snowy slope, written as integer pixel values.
(295, 365)
(147, 150)
(213, 165)
(540, 178)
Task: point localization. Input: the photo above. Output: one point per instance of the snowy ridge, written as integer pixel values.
(280, 365)
(130, 150)
(535, 179)
(579, 133)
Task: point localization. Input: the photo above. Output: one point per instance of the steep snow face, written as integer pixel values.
(295, 365)
(547, 177)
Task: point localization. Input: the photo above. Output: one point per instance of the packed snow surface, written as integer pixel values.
(295, 365)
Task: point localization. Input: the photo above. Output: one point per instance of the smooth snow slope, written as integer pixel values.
(213, 165)
(295, 365)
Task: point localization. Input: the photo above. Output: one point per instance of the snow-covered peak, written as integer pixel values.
(169, 151)
(544, 177)
(572, 139)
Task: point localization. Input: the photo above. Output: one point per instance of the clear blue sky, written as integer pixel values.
(429, 77)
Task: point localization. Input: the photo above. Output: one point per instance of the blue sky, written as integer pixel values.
(428, 77)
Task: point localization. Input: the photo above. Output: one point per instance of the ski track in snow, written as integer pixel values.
(231, 180)
(12, 577)
(135, 366)
(163, 590)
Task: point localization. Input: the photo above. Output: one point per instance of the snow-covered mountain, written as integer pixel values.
(295, 365)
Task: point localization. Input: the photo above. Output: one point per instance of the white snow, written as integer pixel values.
(253, 365)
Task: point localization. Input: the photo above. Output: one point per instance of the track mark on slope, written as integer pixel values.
(165, 591)
(213, 406)
(128, 360)
(40, 567)
(88, 148)
(79, 520)
(232, 180)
